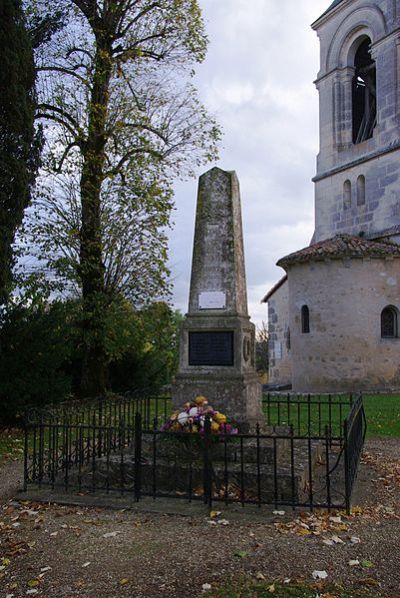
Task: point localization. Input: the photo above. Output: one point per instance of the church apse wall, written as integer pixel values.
(344, 347)
(279, 368)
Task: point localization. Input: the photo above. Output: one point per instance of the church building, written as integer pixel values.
(334, 315)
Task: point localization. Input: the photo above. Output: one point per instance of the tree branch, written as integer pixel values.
(61, 116)
(130, 154)
(65, 71)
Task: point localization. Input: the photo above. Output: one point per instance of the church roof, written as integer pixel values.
(332, 6)
(274, 289)
(341, 246)
(334, 3)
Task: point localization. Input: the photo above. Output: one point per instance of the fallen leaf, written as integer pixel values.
(241, 553)
(369, 581)
(260, 576)
(123, 581)
(32, 583)
(271, 588)
(111, 534)
(214, 514)
(367, 564)
(354, 563)
(223, 522)
(355, 540)
(320, 574)
(304, 532)
(337, 540)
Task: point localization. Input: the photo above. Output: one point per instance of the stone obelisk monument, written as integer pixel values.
(217, 350)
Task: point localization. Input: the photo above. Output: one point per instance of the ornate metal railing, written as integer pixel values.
(304, 455)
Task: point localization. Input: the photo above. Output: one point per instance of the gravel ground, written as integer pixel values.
(63, 551)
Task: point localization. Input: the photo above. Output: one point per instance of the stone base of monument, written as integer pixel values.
(237, 396)
(266, 470)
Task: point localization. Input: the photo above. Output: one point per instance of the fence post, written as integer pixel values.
(207, 480)
(138, 455)
(26, 437)
(347, 485)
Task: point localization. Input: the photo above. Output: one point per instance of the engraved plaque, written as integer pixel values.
(212, 300)
(211, 348)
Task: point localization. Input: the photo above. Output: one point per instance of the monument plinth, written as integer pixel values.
(217, 350)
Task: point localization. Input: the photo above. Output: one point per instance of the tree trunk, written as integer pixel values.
(94, 366)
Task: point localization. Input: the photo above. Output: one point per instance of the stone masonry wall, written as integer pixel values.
(378, 158)
(279, 337)
(344, 349)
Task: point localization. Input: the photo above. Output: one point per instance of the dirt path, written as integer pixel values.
(61, 551)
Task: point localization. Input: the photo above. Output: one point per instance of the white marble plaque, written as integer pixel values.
(212, 300)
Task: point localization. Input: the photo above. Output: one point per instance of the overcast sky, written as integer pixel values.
(258, 81)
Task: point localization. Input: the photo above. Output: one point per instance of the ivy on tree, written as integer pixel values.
(123, 122)
(19, 142)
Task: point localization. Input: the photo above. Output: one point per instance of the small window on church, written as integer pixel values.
(305, 319)
(347, 195)
(389, 327)
(361, 190)
(364, 93)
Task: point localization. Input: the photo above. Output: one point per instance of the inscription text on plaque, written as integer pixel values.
(211, 348)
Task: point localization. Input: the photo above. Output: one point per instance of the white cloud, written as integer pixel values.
(257, 79)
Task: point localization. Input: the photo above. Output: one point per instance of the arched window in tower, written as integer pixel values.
(305, 319)
(361, 190)
(347, 195)
(364, 93)
(389, 326)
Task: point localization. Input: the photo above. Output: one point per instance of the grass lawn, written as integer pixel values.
(383, 415)
(382, 412)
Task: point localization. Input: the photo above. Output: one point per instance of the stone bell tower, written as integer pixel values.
(217, 349)
(357, 185)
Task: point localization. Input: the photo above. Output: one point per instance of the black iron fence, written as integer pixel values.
(309, 414)
(305, 454)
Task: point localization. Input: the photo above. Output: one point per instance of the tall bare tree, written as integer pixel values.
(121, 117)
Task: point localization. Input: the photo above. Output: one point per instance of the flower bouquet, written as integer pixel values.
(193, 416)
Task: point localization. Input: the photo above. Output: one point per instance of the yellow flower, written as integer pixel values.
(200, 400)
(214, 427)
(220, 418)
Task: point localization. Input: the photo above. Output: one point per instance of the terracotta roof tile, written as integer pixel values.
(341, 246)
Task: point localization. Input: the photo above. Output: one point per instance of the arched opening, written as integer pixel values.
(361, 190)
(305, 319)
(346, 195)
(364, 93)
(389, 325)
